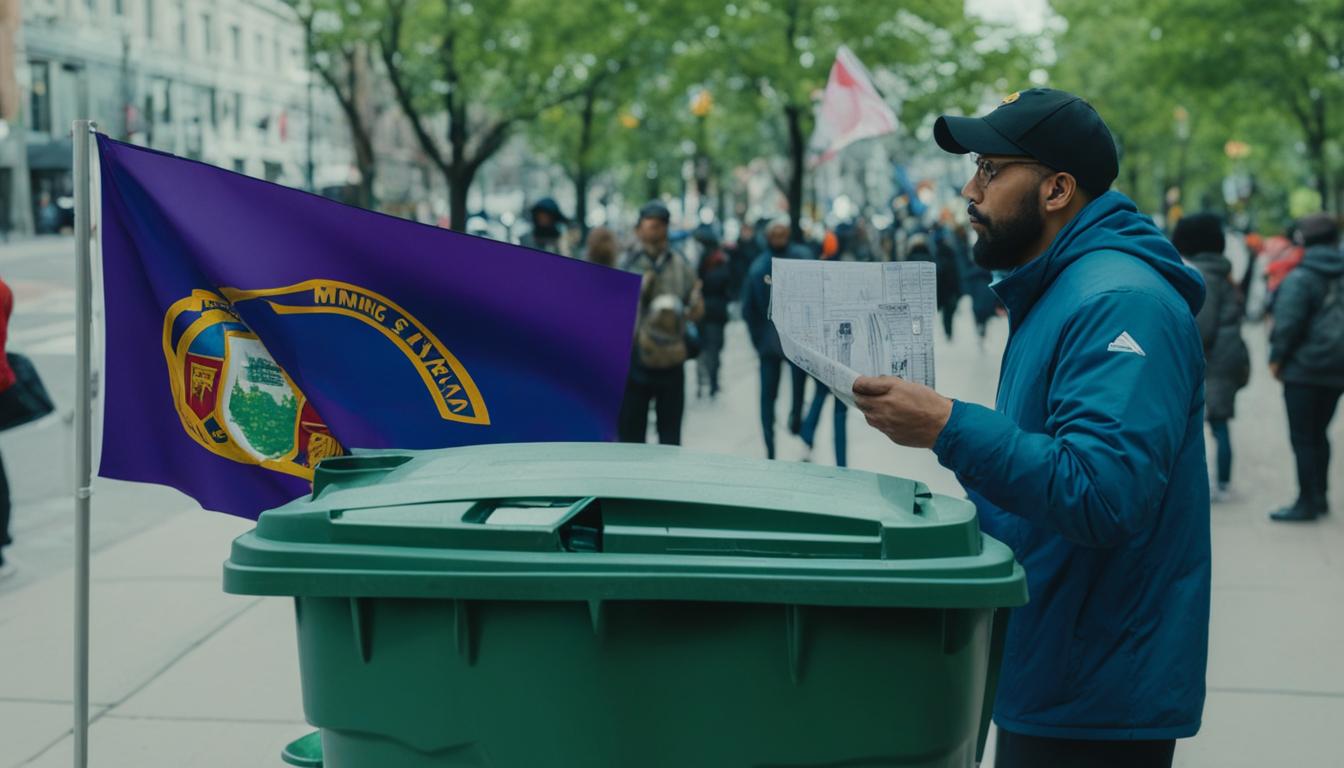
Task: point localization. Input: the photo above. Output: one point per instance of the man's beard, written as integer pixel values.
(1002, 244)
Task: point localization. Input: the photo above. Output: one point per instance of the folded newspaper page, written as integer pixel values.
(842, 320)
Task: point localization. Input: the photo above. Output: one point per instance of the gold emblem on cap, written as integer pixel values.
(1010, 98)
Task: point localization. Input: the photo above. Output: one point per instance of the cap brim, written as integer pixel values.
(960, 135)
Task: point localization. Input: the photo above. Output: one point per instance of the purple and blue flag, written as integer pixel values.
(253, 330)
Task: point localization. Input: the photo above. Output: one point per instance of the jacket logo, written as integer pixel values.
(1126, 343)
(1010, 98)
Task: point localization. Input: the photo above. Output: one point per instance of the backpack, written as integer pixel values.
(662, 335)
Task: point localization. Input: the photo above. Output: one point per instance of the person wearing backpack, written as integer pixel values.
(669, 302)
(1200, 241)
(1307, 355)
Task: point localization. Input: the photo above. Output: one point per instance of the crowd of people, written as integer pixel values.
(703, 279)
(692, 288)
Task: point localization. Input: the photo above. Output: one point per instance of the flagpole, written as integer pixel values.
(82, 131)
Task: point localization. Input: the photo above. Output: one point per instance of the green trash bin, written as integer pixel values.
(632, 606)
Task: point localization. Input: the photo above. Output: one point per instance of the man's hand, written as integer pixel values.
(1276, 371)
(910, 414)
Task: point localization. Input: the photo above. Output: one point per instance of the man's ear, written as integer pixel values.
(1062, 189)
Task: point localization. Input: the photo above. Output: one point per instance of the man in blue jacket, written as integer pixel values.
(756, 313)
(1091, 466)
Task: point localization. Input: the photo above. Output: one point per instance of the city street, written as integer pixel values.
(184, 675)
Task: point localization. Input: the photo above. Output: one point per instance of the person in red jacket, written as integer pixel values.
(6, 381)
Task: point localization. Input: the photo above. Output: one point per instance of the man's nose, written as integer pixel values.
(971, 191)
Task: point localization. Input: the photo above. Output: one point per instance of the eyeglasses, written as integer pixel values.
(986, 170)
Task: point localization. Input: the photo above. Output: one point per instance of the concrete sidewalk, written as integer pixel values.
(184, 675)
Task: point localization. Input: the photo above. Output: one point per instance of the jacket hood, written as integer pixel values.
(1324, 259)
(1111, 222)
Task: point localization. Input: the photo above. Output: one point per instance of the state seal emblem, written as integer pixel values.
(237, 402)
(232, 397)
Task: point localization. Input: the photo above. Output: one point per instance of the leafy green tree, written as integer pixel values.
(468, 78)
(605, 67)
(1286, 57)
(775, 56)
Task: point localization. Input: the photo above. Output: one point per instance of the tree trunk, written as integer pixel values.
(458, 185)
(797, 146)
(345, 87)
(459, 179)
(583, 173)
(365, 160)
(1320, 165)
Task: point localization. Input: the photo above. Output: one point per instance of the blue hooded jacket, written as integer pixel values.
(1092, 468)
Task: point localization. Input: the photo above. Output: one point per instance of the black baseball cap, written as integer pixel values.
(655, 210)
(1053, 127)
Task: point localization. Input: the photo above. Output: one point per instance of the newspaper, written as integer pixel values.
(842, 320)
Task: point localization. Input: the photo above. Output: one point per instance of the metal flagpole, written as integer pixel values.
(83, 131)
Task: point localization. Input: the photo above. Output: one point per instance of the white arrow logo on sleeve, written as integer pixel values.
(1126, 343)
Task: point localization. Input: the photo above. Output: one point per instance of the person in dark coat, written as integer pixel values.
(984, 304)
(743, 254)
(949, 274)
(716, 281)
(1199, 239)
(546, 234)
(764, 337)
(1307, 355)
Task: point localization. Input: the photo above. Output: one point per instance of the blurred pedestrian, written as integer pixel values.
(949, 272)
(917, 247)
(546, 233)
(764, 337)
(602, 247)
(715, 277)
(1253, 281)
(1199, 239)
(1091, 465)
(984, 302)
(1307, 355)
(740, 257)
(7, 567)
(1284, 254)
(669, 299)
(48, 215)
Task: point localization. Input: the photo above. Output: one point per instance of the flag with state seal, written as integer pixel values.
(253, 330)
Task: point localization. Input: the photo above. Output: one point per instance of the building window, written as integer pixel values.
(91, 6)
(213, 98)
(236, 42)
(119, 7)
(149, 19)
(238, 113)
(39, 108)
(208, 33)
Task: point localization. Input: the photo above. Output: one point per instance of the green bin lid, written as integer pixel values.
(600, 521)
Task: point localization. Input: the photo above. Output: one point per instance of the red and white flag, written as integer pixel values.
(851, 109)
